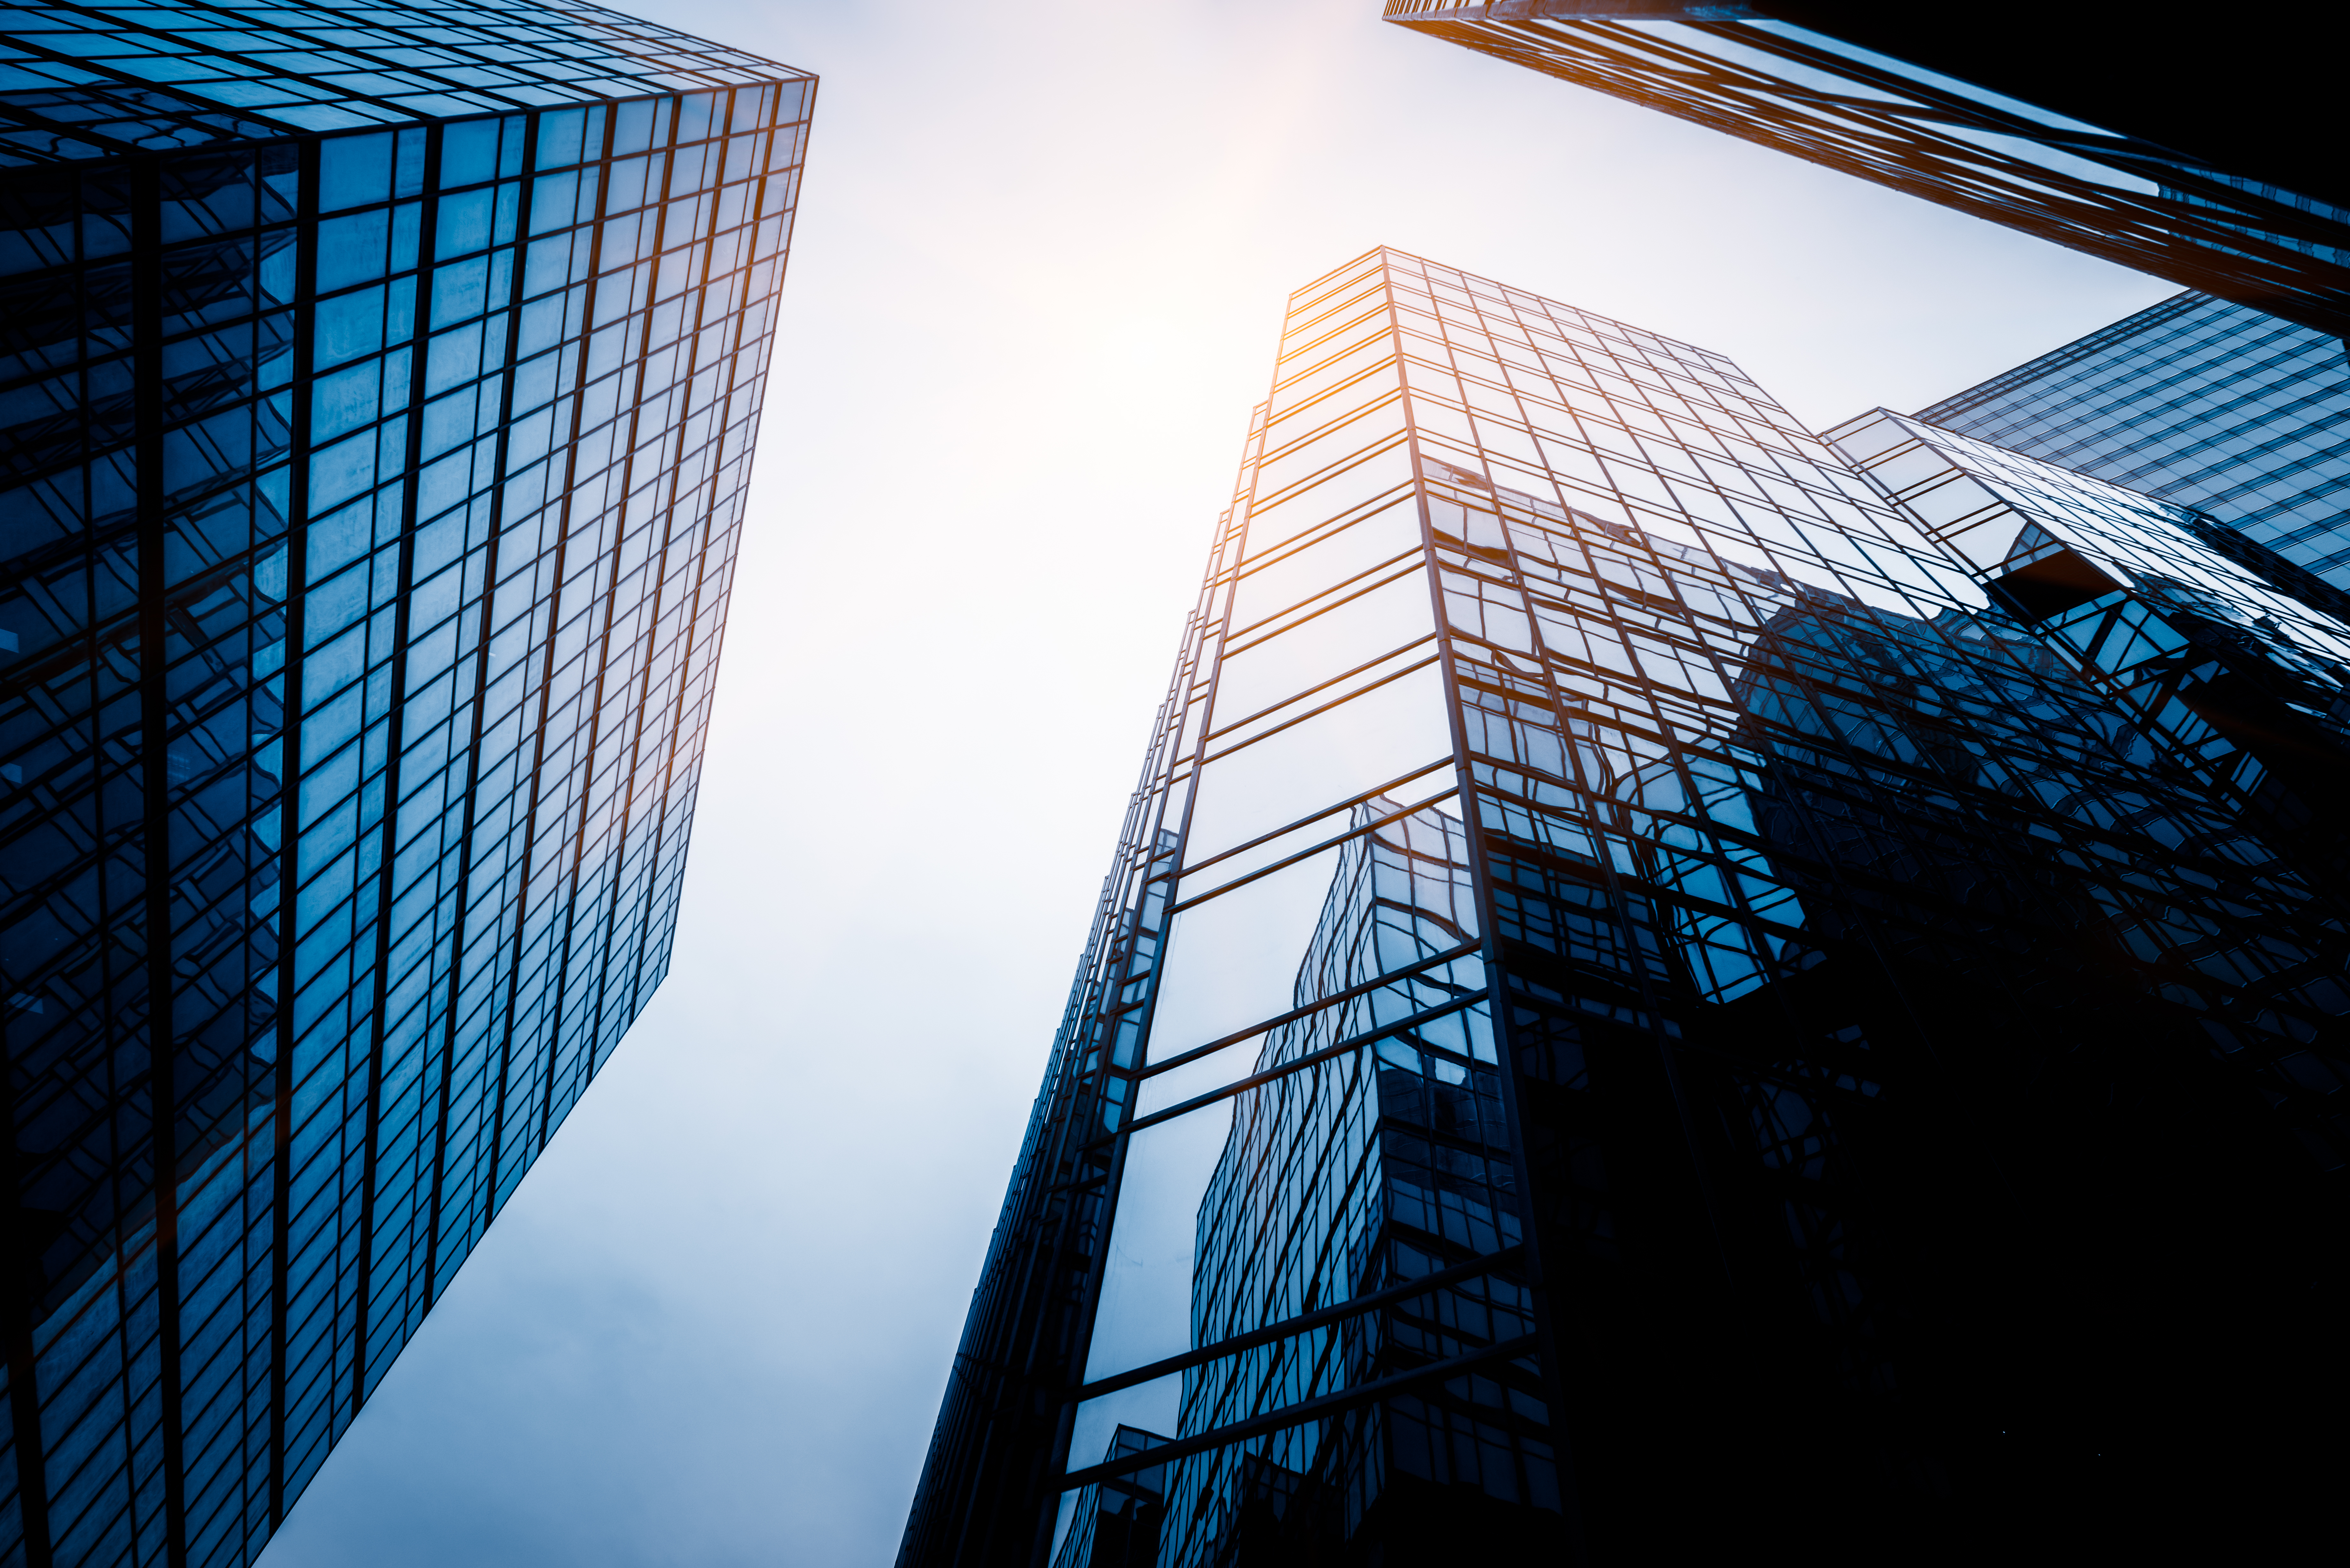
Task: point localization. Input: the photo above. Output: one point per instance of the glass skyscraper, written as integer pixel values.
(380, 388)
(2242, 416)
(2205, 154)
(1672, 982)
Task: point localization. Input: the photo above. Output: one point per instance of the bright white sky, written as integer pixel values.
(1040, 259)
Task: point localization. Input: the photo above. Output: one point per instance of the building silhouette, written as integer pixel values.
(1663, 963)
(381, 388)
(2199, 155)
(2242, 416)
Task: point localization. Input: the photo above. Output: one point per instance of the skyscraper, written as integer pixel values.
(1663, 966)
(2242, 416)
(381, 388)
(2204, 154)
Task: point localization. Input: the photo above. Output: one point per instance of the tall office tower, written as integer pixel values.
(2204, 154)
(1662, 967)
(380, 390)
(2242, 416)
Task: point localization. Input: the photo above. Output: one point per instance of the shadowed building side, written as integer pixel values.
(2201, 153)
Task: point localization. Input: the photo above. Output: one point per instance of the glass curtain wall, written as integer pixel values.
(1638, 928)
(370, 517)
(2242, 416)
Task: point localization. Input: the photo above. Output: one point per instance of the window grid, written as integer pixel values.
(402, 467)
(2205, 403)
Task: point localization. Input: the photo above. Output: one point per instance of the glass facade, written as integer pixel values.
(1920, 112)
(380, 390)
(2242, 416)
(1662, 964)
(1117, 1520)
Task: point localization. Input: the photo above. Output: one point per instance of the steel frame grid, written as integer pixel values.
(652, 662)
(2267, 248)
(2028, 666)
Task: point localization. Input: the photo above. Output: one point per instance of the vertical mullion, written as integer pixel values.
(657, 564)
(546, 686)
(602, 643)
(482, 665)
(289, 817)
(387, 830)
(673, 740)
(154, 748)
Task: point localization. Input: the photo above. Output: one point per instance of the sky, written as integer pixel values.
(1041, 258)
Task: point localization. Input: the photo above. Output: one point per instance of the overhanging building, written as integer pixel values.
(2203, 153)
(1662, 965)
(380, 385)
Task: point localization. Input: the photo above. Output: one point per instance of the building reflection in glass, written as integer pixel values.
(1658, 958)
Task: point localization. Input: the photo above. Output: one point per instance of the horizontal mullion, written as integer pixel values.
(1299, 1414)
(1416, 557)
(1434, 961)
(1328, 400)
(1483, 1263)
(1311, 1059)
(1319, 686)
(1375, 308)
(1263, 838)
(1329, 527)
(1312, 850)
(1415, 552)
(1316, 711)
(1301, 436)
